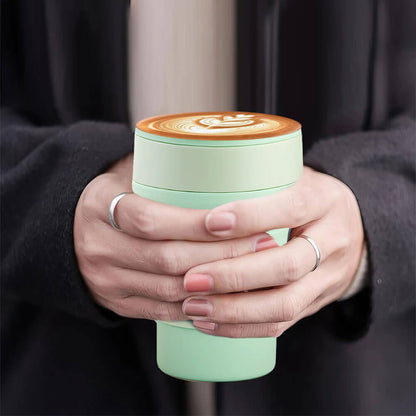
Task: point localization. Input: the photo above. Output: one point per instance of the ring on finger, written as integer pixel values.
(112, 208)
(316, 249)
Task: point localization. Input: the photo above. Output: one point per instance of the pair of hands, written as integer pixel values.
(218, 267)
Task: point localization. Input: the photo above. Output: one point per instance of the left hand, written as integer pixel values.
(282, 290)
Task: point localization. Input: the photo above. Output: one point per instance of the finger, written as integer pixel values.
(297, 205)
(280, 304)
(241, 330)
(141, 217)
(171, 257)
(177, 257)
(151, 220)
(275, 329)
(127, 282)
(144, 308)
(272, 267)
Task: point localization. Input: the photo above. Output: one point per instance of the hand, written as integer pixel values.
(138, 273)
(281, 288)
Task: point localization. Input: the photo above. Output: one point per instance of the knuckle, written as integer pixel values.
(89, 202)
(138, 288)
(237, 331)
(337, 190)
(165, 311)
(92, 196)
(289, 269)
(88, 206)
(287, 309)
(160, 290)
(99, 284)
(86, 244)
(232, 279)
(298, 207)
(167, 261)
(83, 245)
(169, 291)
(279, 332)
(144, 220)
(272, 330)
(90, 257)
(138, 311)
(119, 307)
(335, 193)
(232, 313)
(230, 250)
(344, 240)
(144, 313)
(104, 285)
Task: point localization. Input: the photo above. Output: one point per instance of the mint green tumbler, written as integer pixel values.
(202, 160)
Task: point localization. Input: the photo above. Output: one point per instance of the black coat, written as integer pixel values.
(345, 69)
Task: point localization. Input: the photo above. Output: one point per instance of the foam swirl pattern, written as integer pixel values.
(228, 125)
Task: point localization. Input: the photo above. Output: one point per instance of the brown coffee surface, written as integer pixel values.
(222, 125)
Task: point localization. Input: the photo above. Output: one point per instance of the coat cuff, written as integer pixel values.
(361, 278)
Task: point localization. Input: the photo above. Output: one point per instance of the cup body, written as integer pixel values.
(203, 174)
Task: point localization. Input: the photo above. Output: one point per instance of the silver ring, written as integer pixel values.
(112, 208)
(315, 247)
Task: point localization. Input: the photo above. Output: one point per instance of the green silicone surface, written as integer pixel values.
(215, 143)
(197, 200)
(192, 355)
(217, 168)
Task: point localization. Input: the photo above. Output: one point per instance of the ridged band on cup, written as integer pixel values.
(217, 169)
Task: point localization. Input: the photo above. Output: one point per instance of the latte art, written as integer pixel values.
(219, 126)
(227, 121)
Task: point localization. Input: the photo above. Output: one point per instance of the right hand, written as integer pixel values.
(138, 273)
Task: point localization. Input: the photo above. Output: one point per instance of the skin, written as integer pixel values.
(147, 270)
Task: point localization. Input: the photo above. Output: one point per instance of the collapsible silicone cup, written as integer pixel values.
(203, 174)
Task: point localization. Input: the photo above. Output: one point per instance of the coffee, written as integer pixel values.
(224, 125)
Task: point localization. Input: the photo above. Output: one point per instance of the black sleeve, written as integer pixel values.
(379, 167)
(43, 172)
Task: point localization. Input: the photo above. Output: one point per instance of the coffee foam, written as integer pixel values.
(222, 125)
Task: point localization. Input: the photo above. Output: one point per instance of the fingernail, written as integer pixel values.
(197, 307)
(220, 221)
(198, 282)
(207, 327)
(265, 243)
